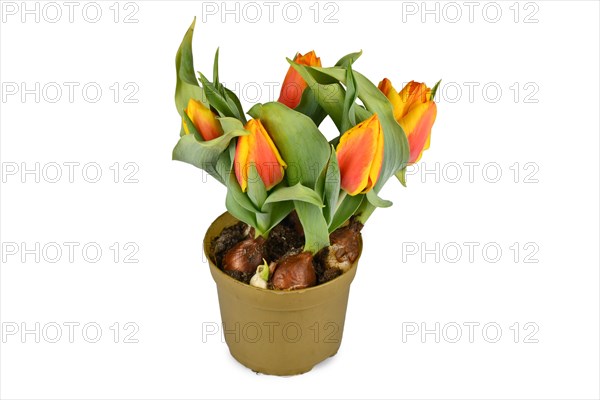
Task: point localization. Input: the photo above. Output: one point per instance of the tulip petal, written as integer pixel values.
(386, 87)
(377, 162)
(258, 148)
(417, 125)
(293, 85)
(359, 147)
(241, 161)
(204, 120)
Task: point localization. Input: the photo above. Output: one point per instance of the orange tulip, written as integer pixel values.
(415, 111)
(204, 120)
(257, 148)
(360, 156)
(293, 84)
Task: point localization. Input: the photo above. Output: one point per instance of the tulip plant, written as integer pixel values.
(279, 161)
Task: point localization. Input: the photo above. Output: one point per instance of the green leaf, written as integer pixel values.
(292, 131)
(257, 192)
(216, 69)
(348, 116)
(435, 88)
(298, 192)
(238, 211)
(310, 107)
(316, 235)
(348, 59)
(377, 201)
(241, 198)
(331, 186)
(204, 155)
(230, 124)
(187, 85)
(330, 97)
(345, 210)
(401, 175)
(277, 212)
(232, 99)
(262, 222)
(216, 99)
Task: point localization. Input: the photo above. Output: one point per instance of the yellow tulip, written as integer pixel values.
(360, 156)
(257, 148)
(293, 85)
(204, 120)
(415, 111)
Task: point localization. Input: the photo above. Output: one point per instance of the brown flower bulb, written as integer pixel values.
(245, 256)
(295, 272)
(345, 246)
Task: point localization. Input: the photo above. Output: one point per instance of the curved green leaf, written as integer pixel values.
(310, 107)
(345, 210)
(316, 235)
(205, 155)
(348, 115)
(230, 124)
(377, 201)
(291, 131)
(257, 192)
(348, 59)
(331, 187)
(240, 197)
(238, 211)
(297, 192)
(187, 85)
(435, 88)
(401, 175)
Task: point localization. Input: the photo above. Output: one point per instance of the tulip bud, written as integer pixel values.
(415, 111)
(295, 272)
(360, 156)
(204, 121)
(257, 148)
(293, 84)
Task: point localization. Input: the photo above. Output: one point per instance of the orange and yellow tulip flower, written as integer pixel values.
(293, 84)
(415, 111)
(360, 156)
(257, 148)
(204, 120)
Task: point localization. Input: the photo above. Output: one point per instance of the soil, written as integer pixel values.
(284, 238)
(286, 241)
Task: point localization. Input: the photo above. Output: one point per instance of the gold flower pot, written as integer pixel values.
(279, 332)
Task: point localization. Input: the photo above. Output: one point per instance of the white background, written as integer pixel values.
(552, 123)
